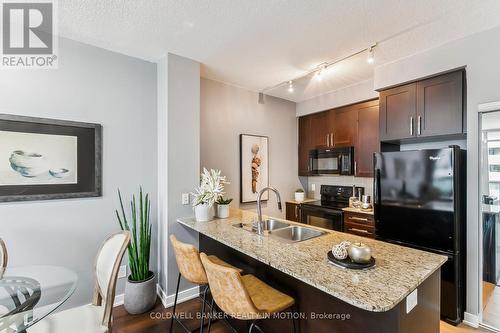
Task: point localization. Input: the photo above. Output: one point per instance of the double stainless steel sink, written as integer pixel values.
(284, 231)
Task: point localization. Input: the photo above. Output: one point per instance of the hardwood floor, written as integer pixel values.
(158, 320)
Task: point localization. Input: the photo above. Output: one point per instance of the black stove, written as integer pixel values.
(327, 212)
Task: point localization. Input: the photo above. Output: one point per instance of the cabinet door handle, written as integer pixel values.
(355, 167)
(327, 141)
(296, 212)
(331, 139)
(411, 126)
(360, 230)
(358, 218)
(419, 125)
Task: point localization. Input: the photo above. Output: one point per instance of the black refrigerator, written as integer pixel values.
(419, 201)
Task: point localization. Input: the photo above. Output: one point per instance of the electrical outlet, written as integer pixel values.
(122, 272)
(411, 301)
(185, 198)
(313, 187)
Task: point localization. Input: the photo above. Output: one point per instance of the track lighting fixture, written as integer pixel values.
(371, 56)
(319, 71)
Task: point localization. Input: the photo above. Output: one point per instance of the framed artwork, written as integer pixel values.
(254, 167)
(42, 159)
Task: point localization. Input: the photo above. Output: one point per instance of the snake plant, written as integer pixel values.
(140, 229)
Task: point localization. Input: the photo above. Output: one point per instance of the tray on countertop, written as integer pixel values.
(348, 263)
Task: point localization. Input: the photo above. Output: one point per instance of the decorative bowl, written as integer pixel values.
(28, 164)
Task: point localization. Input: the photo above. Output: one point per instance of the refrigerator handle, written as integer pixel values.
(376, 187)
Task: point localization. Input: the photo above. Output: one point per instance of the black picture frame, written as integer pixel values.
(89, 159)
(241, 167)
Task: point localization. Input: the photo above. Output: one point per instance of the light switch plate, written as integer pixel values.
(185, 198)
(313, 187)
(122, 272)
(411, 301)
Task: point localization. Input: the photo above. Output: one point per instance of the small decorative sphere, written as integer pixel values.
(345, 244)
(339, 252)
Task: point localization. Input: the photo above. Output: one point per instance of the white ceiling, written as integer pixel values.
(258, 43)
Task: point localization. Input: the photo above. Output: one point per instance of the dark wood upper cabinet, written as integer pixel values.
(344, 126)
(439, 105)
(423, 109)
(305, 144)
(368, 141)
(355, 125)
(320, 129)
(398, 112)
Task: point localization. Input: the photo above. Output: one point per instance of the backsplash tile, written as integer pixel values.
(367, 183)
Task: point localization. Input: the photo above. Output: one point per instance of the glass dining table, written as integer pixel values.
(30, 293)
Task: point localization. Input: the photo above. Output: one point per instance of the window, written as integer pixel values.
(494, 151)
(494, 167)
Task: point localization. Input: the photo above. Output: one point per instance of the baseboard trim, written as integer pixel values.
(184, 296)
(119, 300)
(471, 320)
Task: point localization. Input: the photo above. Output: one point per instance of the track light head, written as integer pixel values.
(371, 56)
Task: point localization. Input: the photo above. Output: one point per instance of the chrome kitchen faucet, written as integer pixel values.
(260, 223)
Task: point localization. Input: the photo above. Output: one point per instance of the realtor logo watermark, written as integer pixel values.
(28, 34)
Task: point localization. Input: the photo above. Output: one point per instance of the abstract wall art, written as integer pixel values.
(44, 159)
(254, 166)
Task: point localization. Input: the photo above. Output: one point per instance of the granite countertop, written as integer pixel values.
(299, 202)
(398, 271)
(357, 210)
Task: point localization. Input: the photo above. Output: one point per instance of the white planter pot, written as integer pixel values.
(299, 196)
(222, 211)
(203, 213)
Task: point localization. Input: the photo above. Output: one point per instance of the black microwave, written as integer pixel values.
(331, 161)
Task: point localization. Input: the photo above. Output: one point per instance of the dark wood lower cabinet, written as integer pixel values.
(323, 313)
(293, 212)
(359, 224)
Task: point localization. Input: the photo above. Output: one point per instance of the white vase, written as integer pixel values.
(203, 213)
(222, 211)
(299, 196)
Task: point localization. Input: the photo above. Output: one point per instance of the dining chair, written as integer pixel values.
(97, 316)
(4, 258)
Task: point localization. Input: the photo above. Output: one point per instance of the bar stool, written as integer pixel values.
(243, 297)
(191, 269)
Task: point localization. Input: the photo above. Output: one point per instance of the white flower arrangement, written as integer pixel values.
(211, 188)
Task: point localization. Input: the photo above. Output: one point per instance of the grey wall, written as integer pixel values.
(227, 112)
(179, 154)
(91, 85)
(358, 92)
(480, 53)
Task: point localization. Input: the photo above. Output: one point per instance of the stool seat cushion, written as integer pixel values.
(265, 298)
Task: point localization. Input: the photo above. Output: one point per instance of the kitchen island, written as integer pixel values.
(331, 299)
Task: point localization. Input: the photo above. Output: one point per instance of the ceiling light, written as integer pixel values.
(290, 86)
(371, 56)
(320, 72)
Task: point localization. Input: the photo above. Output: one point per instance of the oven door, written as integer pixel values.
(322, 217)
